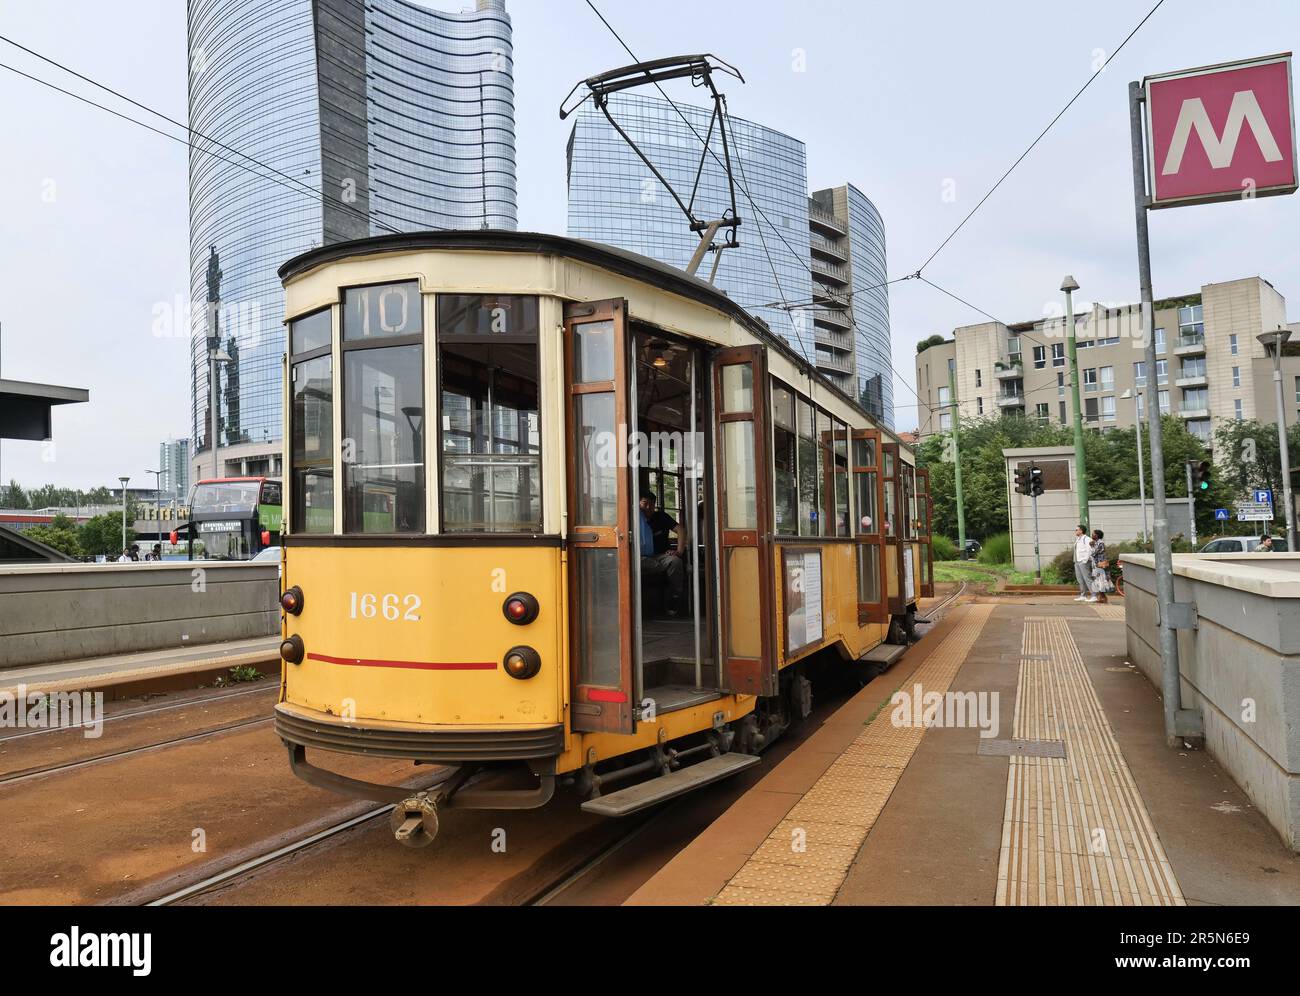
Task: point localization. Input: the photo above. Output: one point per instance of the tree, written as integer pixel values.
(65, 540)
(13, 497)
(103, 535)
(934, 340)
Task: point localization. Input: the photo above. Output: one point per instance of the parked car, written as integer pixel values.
(1241, 544)
(972, 548)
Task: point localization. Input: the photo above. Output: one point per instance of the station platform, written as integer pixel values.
(1051, 784)
(124, 675)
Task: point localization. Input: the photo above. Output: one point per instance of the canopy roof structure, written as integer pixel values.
(25, 407)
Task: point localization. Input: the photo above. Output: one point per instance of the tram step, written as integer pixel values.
(884, 653)
(656, 790)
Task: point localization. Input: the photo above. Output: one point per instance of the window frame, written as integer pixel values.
(346, 346)
(509, 339)
(292, 361)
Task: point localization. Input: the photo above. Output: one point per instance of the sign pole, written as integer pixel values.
(1191, 502)
(956, 459)
(1171, 686)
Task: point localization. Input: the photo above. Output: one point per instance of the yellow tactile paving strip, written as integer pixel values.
(805, 860)
(1110, 611)
(1075, 831)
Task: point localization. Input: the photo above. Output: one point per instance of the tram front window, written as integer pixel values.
(491, 433)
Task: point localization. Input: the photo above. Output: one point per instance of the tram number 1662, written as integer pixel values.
(394, 608)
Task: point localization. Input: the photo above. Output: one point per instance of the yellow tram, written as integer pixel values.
(478, 426)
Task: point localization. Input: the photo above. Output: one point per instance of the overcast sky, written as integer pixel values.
(905, 100)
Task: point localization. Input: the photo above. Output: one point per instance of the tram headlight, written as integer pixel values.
(521, 608)
(292, 649)
(522, 662)
(291, 601)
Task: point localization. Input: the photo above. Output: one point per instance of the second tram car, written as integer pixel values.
(554, 512)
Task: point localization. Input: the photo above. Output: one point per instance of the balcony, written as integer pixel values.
(827, 219)
(1191, 380)
(1194, 409)
(1009, 372)
(838, 249)
(823, 293)
(836, 340)
(1189, 345)
(1010, 400)
(837, 317)
(831, 271)
(839, 364)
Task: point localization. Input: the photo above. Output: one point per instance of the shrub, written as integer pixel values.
(996, 550)
(944, 548)
(1062, 568)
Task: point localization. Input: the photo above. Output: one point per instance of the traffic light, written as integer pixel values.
(1201, 476)
(1035, 480)
(1022, 480)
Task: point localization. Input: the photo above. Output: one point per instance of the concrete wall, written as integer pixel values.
(68, 612)
(1240, 666)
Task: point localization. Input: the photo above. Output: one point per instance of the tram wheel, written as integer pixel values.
(414, 821)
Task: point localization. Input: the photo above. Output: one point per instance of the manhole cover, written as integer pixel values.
(1022, 748)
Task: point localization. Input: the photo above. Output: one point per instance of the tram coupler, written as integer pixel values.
(414, 820)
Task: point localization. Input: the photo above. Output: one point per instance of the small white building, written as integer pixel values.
(1058, 508)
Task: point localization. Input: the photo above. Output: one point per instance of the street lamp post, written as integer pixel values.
(124, 481)
(157, 500)
(1070, 285)
(216, 356)
(1275, 341)
(1136, 395)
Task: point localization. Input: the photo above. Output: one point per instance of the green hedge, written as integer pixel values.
(996, 549)
(944, 548)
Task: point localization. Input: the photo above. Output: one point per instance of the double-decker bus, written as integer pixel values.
(232, 518)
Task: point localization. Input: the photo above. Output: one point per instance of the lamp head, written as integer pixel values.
(1069, 284)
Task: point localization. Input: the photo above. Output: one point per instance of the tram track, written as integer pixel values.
(148, 710)
(17, 777)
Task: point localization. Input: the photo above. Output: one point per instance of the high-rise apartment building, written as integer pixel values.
(1210, 366)
(809, 266)
(319, 121)
(174, 464)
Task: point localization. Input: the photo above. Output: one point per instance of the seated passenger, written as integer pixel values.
(657, 560)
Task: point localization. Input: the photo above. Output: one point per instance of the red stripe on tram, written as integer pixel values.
(606, 695)
(413, 665)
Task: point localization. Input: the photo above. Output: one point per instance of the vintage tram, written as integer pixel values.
(478, 428)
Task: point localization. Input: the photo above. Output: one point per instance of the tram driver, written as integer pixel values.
(660, 558)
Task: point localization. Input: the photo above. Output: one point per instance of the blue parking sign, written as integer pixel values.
(1264, 496)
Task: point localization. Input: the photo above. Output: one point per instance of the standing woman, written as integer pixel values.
(1100, 564)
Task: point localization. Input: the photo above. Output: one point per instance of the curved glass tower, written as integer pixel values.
(318, 121)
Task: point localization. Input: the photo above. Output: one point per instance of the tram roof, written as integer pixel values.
(629, 264)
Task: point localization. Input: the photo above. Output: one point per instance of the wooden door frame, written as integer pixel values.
(600, 708)
(745, 676)
(871, 612)
(925, 534)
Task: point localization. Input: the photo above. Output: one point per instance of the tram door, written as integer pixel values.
(600, 543)
(746, 637)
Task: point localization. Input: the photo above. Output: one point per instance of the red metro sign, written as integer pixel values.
(1221, 132)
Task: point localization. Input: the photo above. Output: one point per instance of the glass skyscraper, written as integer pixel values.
(318, 121)
(802, 262)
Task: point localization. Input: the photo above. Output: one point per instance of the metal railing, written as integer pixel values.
(827, 218)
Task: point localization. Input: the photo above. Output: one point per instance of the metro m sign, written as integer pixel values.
(1221, 132)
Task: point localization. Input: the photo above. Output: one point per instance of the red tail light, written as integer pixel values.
(521, 608)
(291, 600)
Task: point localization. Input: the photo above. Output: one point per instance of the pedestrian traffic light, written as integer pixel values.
(1022, 480)
(1035, 480)
(1201, 475)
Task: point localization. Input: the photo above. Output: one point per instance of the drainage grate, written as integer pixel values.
(1022, 748)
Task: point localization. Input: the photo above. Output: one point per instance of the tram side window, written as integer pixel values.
(787, 482)
(383, 409)
(809, 470)
(491, 431)
(840, 457)
(311, 428)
